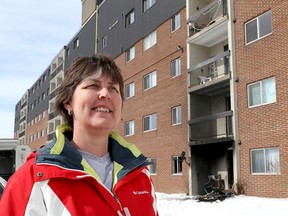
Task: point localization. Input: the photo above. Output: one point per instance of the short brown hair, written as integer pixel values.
(81, 68)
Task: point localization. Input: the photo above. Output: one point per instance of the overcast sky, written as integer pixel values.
(32, 32)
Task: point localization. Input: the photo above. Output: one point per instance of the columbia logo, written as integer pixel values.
(140, 192)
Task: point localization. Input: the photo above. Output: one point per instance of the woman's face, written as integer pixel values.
(96, 104)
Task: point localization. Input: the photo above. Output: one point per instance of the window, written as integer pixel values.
(146, 4)
(76, 43)
(42, 133)
(265, 161)
(262, 92)
(176, 165)
(130, 54)
(152, 167)
(104, 41)
(129, 18)
(150, 40)
(175, 22)
(43, 96)
(176, 67)
(150, 80)
(129, 128)
(259, 27)
(67, 52)
(176, 115)
(130, 90)
(150, 122)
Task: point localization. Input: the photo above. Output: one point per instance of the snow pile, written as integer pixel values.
(182, 205)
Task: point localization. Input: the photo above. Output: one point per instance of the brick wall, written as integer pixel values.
(39, 124)
(263, 126)
(167, 140)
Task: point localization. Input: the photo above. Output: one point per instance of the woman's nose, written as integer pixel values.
(104, 94)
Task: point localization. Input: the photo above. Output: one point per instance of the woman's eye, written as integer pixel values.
(114, 89)
(93, 86)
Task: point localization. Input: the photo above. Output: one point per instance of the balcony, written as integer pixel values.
(215, 70)
(52, 115)
(56, 70)
(211, 129)
(23, 104)
(23, 118)
(22, 133)
(208, 26)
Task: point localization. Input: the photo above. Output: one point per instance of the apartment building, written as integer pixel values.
(204, 93)
(31, 113)
(20, 123)
(261, 54)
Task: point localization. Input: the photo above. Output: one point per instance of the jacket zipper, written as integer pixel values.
(117, 200)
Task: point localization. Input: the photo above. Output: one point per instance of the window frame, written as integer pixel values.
(76, 43)
(130, 54)
(104, 42)
(150, 117)
(261, 89)
(176, 70)
(151, 82)
(177, 118)
(131, 129)
(177, 167)
(258, 27)
(265, 165)
(147, 4)
(150, 40)
(129, 18)
(131, 90)
(175, 22)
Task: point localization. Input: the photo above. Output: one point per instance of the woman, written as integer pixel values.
(88, 169)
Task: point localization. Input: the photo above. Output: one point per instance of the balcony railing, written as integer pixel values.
(211, 128)
(23, 118)
(207, 16)
(210, 69)
(52, 115)
(56, 70)
(22, 133)
(23, 104)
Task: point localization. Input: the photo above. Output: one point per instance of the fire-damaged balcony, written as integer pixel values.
(208, 26)
(211, 129)
(213, 71)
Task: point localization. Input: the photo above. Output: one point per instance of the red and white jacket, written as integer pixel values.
(56, 180)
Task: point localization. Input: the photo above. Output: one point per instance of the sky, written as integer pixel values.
(32, 32)
(241, 205)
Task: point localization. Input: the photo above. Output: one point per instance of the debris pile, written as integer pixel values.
(215, 190)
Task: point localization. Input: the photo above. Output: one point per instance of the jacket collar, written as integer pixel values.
(61, 152)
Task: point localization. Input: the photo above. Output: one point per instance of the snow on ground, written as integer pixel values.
(241, 205)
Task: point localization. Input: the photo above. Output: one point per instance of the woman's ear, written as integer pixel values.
(67, 106)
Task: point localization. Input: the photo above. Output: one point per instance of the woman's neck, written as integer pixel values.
(93, 142)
